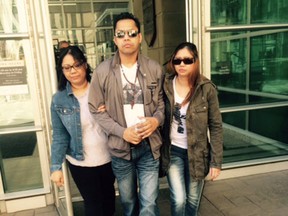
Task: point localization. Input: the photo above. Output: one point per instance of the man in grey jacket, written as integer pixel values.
(129, 86)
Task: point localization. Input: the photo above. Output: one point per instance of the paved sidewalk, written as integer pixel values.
(254, 195)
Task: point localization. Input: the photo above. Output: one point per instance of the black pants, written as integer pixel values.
(96, 185)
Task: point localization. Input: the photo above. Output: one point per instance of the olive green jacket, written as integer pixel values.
(203, 119)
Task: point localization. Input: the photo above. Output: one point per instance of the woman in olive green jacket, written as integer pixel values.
(192, 133)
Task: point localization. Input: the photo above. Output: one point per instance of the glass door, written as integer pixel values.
(89, 25)
(26, 80)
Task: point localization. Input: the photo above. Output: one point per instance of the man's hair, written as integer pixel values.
(63, 44)
(126, 15)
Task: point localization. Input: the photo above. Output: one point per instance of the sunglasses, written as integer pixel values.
(187, 61)
(130, 33)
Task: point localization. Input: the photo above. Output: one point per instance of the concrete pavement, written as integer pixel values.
(254, 195)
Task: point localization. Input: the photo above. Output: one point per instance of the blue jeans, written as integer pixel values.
(142, 168)
(185, 192)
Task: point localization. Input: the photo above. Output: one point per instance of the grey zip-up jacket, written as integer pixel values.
(106, 88)
(203, 117)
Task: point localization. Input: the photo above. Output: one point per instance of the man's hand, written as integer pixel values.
(136, 133)
(146, 127)
(130, 135)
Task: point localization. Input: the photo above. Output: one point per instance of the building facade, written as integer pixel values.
(242, 46)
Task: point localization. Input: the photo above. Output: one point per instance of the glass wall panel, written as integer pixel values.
(269, 63)
(236, 12)
(228, 12)
(16, 108)
(228, 99)
(56, 17)
(78, 15)
(20, 162)
(19, 98)
(250, 70)
(12, 17)
(271, 123)
(229, 61)
(19, 157)
(266, 136)
(233, 99)
(269, 11)
(88, 25)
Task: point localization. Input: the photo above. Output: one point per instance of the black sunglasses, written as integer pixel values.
(131, 33)
(187, 61)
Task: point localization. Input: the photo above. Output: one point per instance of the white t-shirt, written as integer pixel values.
(95, 148)
(178, 133)
(133, 95)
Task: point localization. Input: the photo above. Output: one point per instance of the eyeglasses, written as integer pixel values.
(187, 61)
(131, 33)
(77, 66)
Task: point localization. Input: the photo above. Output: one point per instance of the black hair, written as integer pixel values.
(79, 56)
(190, 46)
(126, 15)
(193, 78)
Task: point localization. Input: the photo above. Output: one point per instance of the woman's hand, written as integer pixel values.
(214, 173)
(57, 178)
(101, 108)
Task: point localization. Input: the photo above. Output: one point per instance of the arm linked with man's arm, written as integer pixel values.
(96, 99)
(159, 113)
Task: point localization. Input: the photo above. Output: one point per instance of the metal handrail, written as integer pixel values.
(9, 36)
(253, 107)
(245, 27)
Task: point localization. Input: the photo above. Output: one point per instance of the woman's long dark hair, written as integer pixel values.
(78, 56)
(194, 76)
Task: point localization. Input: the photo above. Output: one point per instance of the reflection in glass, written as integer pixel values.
(226, 12)
(16, 111)
(87, 25)
(12, 17)
(56, 18)
(269, 11)
(250, 68)
(228, 63)
(106, 47)
(72, 13)
(266, 136)
(19, 162)
(228, 99)
(16, 108)
(234, 12)
(269, 63)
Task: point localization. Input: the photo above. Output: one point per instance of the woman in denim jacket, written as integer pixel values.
(191, 116)
(78, 138)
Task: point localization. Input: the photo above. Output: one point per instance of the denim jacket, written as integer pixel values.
(67, 134)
